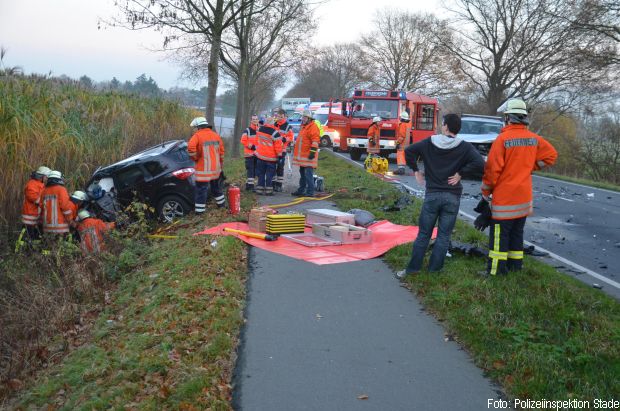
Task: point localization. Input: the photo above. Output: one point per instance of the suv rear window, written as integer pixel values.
(129, 177)
(154, 168)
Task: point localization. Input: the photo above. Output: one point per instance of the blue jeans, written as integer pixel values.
(306, 181)
(265, 171)
(439, 207)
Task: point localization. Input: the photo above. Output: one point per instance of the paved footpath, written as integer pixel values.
(325, 337)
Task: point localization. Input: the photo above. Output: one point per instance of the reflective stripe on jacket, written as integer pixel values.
(374, 136)
(514, 154)
(32, 197)
(55, 209)
(307, 140)
(269, 145)
(91, 234)
(207, 150)
(249, 138)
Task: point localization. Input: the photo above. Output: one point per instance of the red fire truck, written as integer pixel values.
(355, 116)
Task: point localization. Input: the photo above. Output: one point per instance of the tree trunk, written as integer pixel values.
(214, 61)
(494, 100)
(241, 117)
(213, 74)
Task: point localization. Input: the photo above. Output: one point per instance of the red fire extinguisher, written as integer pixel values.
(234, 200)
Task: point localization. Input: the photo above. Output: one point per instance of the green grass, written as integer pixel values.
(539, 333)
(583, 181)
(168, 339)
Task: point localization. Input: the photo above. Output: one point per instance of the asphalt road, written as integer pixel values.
(579, 225)
(345, 337)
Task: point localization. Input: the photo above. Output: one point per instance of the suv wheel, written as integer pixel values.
(325, 141)
(172, 207)
(355, 154)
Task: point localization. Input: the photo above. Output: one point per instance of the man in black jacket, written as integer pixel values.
(446, 157)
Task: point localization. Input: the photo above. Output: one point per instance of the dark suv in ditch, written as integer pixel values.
(161, 176)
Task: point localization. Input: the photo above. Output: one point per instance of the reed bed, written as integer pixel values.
(74, 130)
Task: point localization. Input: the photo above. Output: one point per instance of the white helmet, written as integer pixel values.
(79, 195)
(515, 106)
(376, 119)
(307, 113)
(83, 214)
(199, 121)
(404, 116)
(55, 174)
(44, 171)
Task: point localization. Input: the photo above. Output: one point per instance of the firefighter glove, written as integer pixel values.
(311, 155)
(484, 219)
(397, 146)
(252, 147)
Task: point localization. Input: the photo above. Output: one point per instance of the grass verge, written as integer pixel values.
(583, 181)
(539, 333)
(167, 338)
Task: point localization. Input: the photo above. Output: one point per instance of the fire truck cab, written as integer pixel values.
(354, 116)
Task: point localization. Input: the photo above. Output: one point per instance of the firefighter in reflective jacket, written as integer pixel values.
(77, 201)
(507, 183)
(286, 132)
(91, 231)
(268, 151)
(207, 150)
(249, 141)
(305, 154)
(55, 205)
(374, 136)
(403, 139)
(32, 197)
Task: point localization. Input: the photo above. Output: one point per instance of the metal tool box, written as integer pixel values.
(345, 233)
(311, 240)
(324, 215)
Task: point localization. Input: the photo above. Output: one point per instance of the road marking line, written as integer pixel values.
(551, 254)
(554, 196)
(557, 180)
(563, 260)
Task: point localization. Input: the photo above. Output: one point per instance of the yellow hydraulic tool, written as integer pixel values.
(260, 236)
(375, 164)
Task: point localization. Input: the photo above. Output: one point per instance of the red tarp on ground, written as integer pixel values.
(385, 235)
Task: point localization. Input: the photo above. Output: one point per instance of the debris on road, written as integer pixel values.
(362, 397)
(598, 286)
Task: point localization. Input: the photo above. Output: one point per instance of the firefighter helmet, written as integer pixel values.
(83, 214)
(79, 195)
(308, 113)
(404, 116)
(376, 119)
(44, 171)
(515, 106)
(199, 121)
(55, 174)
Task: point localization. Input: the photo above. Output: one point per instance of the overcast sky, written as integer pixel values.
(61, 37)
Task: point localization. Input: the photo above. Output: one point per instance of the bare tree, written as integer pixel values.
(509, 48)
(601, 146)
(178, 19)
(260, 49)
(404, 53)
(337, 71)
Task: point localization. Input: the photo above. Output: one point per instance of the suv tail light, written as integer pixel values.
(184, 173)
